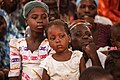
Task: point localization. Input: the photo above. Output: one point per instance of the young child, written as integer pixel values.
(96, 73)
(112, 63)
(64, 64)
(27, 53)
(81, 37)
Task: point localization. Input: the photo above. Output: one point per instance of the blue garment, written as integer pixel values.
(3, 59)
(12, 32)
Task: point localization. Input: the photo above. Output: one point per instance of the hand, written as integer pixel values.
(90, 50)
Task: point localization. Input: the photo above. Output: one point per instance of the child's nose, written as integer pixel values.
(57, 40)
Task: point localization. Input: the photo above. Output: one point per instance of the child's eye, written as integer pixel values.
(82, 6)
(34, 17)
(79, 34)
(62, 36)
(52, 38)
(44, 16)
(92, 7)
(88, 33)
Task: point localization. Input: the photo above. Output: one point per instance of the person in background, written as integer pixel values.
(11, 8)
(68, 10)
(4, 52)
(53, 7)
(27, 53)
(64, 59)
(96, 73)
(87, 10)
(112, 63)
(81, 37)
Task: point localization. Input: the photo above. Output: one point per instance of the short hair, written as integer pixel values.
(59, 23)
(93, 73)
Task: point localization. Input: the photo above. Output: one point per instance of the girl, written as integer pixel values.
(65, 63)
(81, 37)
(28, 52)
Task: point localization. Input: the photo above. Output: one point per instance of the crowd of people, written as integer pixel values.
(59, 40)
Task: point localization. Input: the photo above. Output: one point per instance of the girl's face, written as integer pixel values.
(3, 26)
(58, 38)
(37, 19)
(80, 36)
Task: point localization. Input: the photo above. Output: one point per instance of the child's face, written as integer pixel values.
(3, 26)
(37, 19)
(80, 36)
(58, 38)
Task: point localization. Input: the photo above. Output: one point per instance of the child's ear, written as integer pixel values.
(25, 21)
(69, 39)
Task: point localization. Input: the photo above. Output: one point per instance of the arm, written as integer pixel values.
(82, 65)
(45, 76)
(90, 51)
(15, 60)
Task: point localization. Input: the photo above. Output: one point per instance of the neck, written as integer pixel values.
(37, 37)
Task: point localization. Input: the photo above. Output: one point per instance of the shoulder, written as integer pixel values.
(77, 54)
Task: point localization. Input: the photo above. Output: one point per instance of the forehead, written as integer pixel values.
(56, 27)
(80, 27)
(87, 2)
(38, 9)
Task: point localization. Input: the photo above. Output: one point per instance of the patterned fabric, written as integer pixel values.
(3, 60)
(101, 35)
(70, 68)
(12, 32)
(19, 54)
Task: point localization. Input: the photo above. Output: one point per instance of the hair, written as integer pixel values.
(93, 73)
(111, 59)
(115, 27)
(92, 1)
(2, 19)
(58, 22)
(111, 63)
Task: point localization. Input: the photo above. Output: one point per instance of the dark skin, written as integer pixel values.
(82, 35)
(87, 10)
(59, 41)
(37, 19)
(54, 12)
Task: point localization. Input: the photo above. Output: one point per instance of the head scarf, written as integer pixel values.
(78, 22)
(32, 4)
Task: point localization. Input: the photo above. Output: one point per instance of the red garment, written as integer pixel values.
(109, 9)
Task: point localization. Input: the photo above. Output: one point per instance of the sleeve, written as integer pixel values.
(15, 59)
(102, 58)
(45, 64)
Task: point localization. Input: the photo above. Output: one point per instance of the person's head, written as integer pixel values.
(36, 15)
(112, 63)
(10, 5)
(58, 35)
(54, 12)
(96, 73)
(80, 34)
(87, 8)
(4, 23)
(3, 26)
(115, 35)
